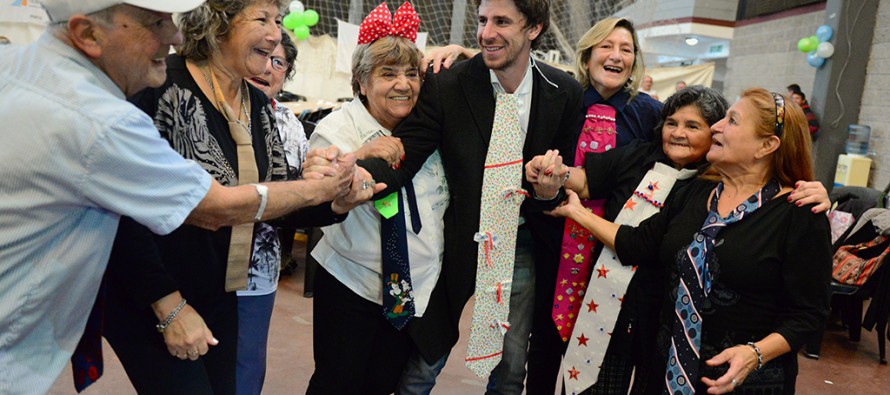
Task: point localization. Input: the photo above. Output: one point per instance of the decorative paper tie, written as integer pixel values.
(499, 218)
(602, 303)
(682, 372)
(381, 23)
(598, 135)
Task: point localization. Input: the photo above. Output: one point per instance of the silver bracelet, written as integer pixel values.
(163, 325)
(263, 192)
(759, 354)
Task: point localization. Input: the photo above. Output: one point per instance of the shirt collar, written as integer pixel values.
(525, 87)
(618, 101)
(65, 50)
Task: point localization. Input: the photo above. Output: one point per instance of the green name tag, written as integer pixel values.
(389, 205)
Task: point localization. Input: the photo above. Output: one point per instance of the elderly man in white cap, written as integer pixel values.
(77, 156)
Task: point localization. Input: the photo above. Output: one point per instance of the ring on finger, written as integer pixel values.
(735, 382)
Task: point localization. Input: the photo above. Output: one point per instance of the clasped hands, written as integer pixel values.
(547, 174)
(350, 184)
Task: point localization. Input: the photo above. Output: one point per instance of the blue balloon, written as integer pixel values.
(824, 33)
(814, 60)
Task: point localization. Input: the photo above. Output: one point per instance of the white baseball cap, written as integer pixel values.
(62, 10)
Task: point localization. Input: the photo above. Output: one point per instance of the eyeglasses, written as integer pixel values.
(278, 63)
(780, 114)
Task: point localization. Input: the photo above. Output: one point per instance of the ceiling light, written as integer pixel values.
(691, 40)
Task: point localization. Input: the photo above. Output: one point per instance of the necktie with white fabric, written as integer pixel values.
(602, 303)
(499, 218)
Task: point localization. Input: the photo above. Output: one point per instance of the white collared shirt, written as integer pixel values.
(523, 94)
(350, 251)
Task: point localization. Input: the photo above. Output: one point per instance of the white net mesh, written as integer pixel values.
(454, 22)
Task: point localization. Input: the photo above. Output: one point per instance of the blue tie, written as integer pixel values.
(398, 293)
(682, 373)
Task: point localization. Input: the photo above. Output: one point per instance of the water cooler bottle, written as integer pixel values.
(853, 167)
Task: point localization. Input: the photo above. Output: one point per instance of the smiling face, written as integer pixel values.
(734, 138)
(135, 46)
(272, 80)
(392, 92)
(686, 136)
(611, 62)
(502, 34)
(254, 34)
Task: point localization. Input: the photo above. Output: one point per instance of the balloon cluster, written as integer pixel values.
(817, 46)
(299, 19)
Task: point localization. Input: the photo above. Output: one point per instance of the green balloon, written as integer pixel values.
(814, 43)
(310, 17)
(802, 44)
(301, 32)
(290, 21)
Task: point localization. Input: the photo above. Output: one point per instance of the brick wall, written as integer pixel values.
(765, 55)
(875, 99)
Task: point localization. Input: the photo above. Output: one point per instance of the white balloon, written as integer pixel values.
(297, 6)
(825, 50)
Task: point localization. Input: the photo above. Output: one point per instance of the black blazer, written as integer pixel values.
(455, 113)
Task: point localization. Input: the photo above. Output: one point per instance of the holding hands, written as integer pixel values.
(547, 174)
(350, 184)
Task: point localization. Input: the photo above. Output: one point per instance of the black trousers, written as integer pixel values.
(131, 333)
(356, 350)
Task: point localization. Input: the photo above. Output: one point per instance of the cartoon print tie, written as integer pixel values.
(499, 218)
(398, 293)
(602, 303)
(598, 135)
(682, 372)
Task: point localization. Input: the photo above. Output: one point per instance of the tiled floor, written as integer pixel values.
(846, 368)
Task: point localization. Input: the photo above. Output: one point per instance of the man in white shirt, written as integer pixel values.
(77, 157)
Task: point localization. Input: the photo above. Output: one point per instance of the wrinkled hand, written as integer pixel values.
(806, 192)
(387, 148)
(187, 336)
(363, 188)
(334, 186)
(442, 57)
(546, 173)
(742, 361)
(570, 208)
(321, 162)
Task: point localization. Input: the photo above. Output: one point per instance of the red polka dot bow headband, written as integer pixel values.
(380, 23)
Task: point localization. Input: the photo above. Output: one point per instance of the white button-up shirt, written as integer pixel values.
(351, 250)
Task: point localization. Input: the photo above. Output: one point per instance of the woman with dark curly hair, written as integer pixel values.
(210, 114)
(747, 273)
